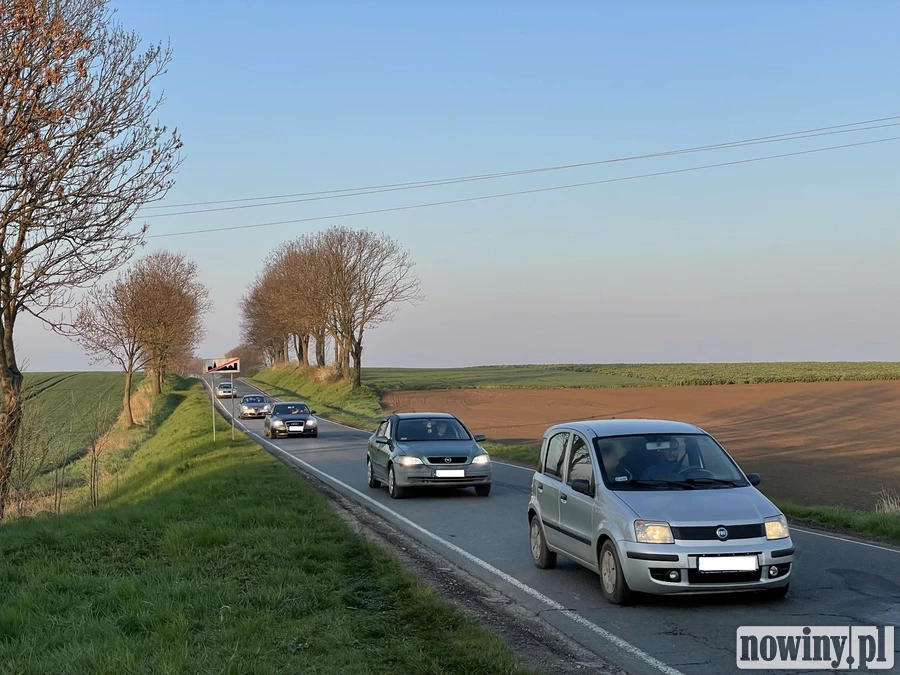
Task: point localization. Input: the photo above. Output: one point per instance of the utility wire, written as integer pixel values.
(522, 192)
(336, 194)
(465, 180)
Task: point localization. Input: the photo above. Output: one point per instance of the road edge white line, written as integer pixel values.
(625, 646)
(847, 541)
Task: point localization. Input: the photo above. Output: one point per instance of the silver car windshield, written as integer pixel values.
(431, 429)
(666, 461)
(289, 409)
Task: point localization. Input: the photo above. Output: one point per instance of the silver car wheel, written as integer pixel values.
(608, 572)
(391, 481)
(535, 539)
(369, 471)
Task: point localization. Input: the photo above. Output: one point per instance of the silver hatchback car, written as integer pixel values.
(655, 507)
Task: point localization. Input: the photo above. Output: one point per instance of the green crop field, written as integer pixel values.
(65, 397)
(625, 375)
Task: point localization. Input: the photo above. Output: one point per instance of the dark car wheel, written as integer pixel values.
(394, 490)
(373, 482)
(612, 579)
(544, 558)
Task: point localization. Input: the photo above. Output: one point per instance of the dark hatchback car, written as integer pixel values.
(290, 419)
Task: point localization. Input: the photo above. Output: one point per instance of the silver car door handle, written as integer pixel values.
(563, 498)
(540, 487)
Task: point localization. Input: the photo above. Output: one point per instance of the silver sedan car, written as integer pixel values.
(655, 507)
(426, 449)
(254, 405)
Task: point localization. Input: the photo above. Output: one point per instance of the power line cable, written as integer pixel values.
(333, 194)
(523, 192)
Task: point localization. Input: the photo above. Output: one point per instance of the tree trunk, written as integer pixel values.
(129, 416)
(10, 420)
(304, 349)
(345, 359)
(357, 363)
(320, 347)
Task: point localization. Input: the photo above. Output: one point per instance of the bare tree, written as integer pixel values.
(252, 359)
(98, 421)
(171, 302)
(34, 444)
(365, 277)
(263, 309)
(110, 327)
(79, 154)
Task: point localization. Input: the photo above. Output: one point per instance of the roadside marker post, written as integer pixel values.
(212, 399)
(222, 365)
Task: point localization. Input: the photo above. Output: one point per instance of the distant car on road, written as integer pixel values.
(426, 449)
(656, 507)
(225, 390)
(290, 419)
(254, 405)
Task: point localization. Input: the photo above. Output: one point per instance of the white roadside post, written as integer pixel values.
(231, 366)
(212, 399)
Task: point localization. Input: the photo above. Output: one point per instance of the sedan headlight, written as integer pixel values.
(481, 459)
(647, 532)
(405, 460)
(277, 423)
(310, 422)
(777, 528)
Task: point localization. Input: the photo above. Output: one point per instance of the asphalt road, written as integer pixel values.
(837, 582)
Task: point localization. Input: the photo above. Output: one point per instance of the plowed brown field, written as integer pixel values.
(835, 443)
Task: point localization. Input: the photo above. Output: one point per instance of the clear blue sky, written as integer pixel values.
(791, 259)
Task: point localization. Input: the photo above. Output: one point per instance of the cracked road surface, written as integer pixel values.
(837, 582)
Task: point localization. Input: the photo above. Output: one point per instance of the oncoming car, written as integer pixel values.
(655, 507)
(224, 390)
(290, 419)
(254, 405)
(426, 449)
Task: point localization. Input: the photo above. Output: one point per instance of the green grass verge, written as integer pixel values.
(882, 525)
(212, 557)
(624, 375)
(337, 402)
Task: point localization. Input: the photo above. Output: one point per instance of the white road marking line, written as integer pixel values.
(798, 529)
(552, 604)
(848, 541)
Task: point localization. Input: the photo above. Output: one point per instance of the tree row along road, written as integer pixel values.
(837, 581)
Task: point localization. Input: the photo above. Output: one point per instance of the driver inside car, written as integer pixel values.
(668, 467)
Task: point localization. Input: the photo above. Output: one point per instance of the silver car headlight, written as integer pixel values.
(277, 423)
(311, 422)
(777, 528)
(405, 460)
(647, 532)
(481, 459)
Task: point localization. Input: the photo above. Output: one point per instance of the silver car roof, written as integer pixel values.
(623, 427)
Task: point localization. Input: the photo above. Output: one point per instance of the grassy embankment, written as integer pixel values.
(211, 557)
(362, 408)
